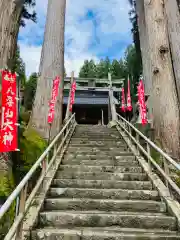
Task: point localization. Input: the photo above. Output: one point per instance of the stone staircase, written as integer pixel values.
(101, 192)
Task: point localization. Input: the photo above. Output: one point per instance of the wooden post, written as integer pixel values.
(111, 97)
(68, 113)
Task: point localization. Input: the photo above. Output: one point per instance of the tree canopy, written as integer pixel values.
(26, 14)
(129, 65)
(30, 90)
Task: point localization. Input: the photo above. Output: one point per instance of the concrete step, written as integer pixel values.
(114, 162)
(102, 176)
(80, 204)
(99, 156)
(103, 193)
(103, 234)
(110, 168)
(103, 219)
(80, 183)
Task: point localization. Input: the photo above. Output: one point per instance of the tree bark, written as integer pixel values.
(173, 23)
(51, 65)
(9, 27)
(144, 43)
(165, 101)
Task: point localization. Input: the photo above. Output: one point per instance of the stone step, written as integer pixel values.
(80, 183)
(103, 234)
(99, 138)
(96, 129)
(97, 143)
(98, 151)
(97, 135)
(90, 149)
(102, 176)
(103, 219)
(103, 193)
(98, 156)
(80, 204)
(92, 168)
(114, 162)
(106, 140)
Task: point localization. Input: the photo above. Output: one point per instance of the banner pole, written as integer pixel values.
(49, 137)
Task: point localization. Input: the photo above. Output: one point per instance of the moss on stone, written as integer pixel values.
(32, 146)
(6, 187)
(6, 184)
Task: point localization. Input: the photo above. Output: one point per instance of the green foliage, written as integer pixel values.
(6, 184)
(31, 146)
(6, 187)
(129, 65)
(29, 91)
(26, 14)
(135, 31)
(19, 67)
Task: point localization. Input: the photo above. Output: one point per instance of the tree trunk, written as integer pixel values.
(51, 65)
(173, 23)
(144, 43)
(165, 101)
(9, 27)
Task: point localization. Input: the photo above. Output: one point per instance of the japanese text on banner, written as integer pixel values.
(8, 136)
(52, 102)
(129, 104)
(123, 107)
(142, 104)
(72, 96)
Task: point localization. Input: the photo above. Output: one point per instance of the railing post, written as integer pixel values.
(55, 150)
(166, 169)
(149, 154)
(137, 139)
(22, 204)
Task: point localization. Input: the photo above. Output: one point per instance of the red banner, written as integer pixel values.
(52, 103)
(9, 131)
(123, 106)
(142, 103)
(72, 96)
(129, 105)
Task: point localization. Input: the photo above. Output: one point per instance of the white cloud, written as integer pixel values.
(112, 24)
(31, 56)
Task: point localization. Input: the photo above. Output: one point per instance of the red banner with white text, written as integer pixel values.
(72, 96)
(123, 105)
(142, 103)
(9, 131)
(54, 94)
(129, 104)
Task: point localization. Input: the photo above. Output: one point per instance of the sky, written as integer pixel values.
(94, 29)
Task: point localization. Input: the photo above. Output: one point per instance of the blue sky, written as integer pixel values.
(94, 29)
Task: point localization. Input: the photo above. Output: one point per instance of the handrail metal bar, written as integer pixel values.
(170, 181)
(153, 145)
(27, 177)
(20, 217)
